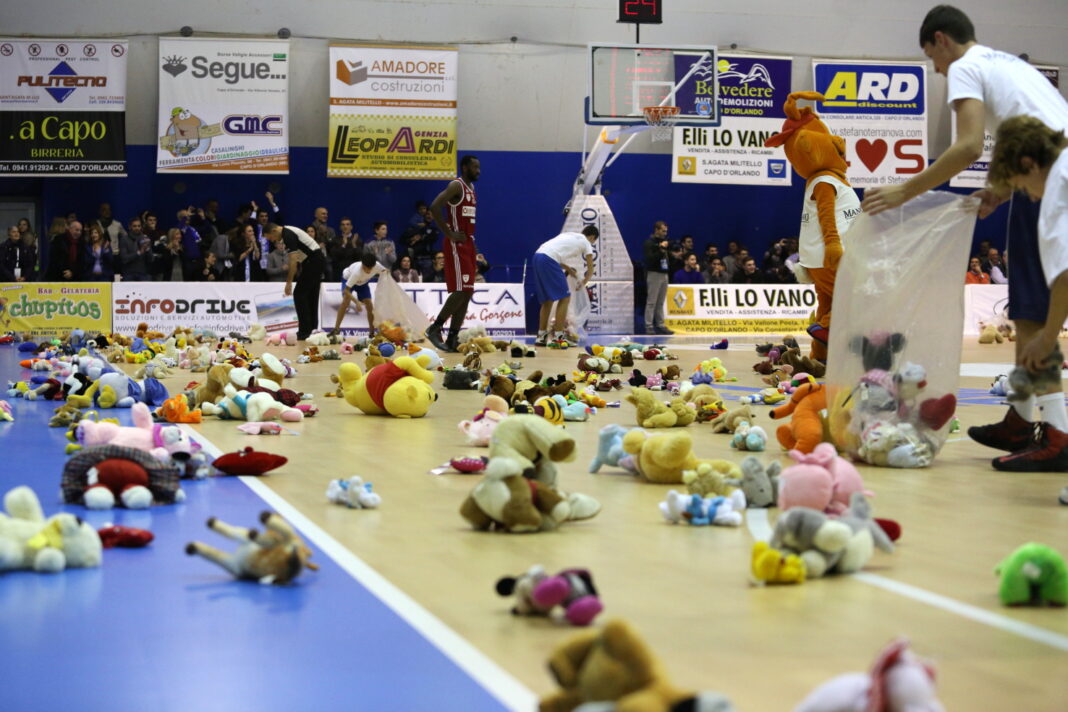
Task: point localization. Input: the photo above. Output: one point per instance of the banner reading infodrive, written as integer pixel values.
(62, 107)
(43, 310)
(752, 90)
(223, 105)
(739, 308)
(880, 109)
(392, 112)
(220, 306)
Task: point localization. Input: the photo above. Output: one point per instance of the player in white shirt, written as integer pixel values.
(552, 260)
(354, 281)
(985, 87)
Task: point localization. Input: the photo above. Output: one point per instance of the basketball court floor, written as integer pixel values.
(403, 614)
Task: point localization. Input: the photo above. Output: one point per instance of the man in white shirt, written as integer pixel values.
(551, 261)
(985, 87)
(994, 267)
(354, 284)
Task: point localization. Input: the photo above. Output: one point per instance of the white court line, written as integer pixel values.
(757, 522)
(492, 677)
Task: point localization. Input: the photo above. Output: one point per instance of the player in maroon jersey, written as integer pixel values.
(457, 223)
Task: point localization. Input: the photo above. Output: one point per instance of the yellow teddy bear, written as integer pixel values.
(653, 413)
(660, 458)
(400, 388)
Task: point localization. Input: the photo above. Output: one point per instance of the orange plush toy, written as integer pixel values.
(805, 431)
(829, 209)
(176, 410)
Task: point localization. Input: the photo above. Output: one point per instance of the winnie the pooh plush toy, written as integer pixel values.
(830, 205)
(401, 388)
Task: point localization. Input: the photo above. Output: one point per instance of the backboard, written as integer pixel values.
(623, 79)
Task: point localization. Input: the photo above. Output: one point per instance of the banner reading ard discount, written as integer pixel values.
(49, 310)
(220, 306)
(223, 105)
(62, 107)
(880, 109)
(739, 308)
(752, 91)
(392, 112)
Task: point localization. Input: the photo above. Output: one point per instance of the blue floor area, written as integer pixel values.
(156, 629)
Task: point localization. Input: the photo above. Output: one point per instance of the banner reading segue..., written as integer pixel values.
(752, 91)
(739, 308)
(51, 309)
(392, 112)
(223, 105)
(880, 109)
(62, 107)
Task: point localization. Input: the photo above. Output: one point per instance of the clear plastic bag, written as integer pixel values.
(393, 304)
(894, 355)
(578, 309)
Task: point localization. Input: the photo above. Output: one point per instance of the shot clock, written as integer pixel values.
(641, 12)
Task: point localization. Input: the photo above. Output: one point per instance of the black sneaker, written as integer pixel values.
(1011, 434)
(1048, 454)
(663, 330)
(433, 335)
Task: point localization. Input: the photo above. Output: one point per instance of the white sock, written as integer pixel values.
(1024, 408)
(1052, 410)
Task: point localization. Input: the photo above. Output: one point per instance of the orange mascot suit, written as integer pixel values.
(830, 205)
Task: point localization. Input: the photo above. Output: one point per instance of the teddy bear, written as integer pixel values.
(401, 388)
(727, 421)
(653, 413)
(818, 540)
(532, 447)
(506, 500)
(538, 594)
(703, 511)
(479, 429)
(144, 434)
(806, 428)
(213, 387)
(760, 484)
(771, 566)
(102, 476)
(749, 437)
(275, 556)
(609, 447)
(613, 668)
(176, 410)
(244, 380)
(711, 478)
(593, 364)
(354, 493)
(659, 458)
(1034, 574)
(253, 407)
(819, 480)
(29, 541)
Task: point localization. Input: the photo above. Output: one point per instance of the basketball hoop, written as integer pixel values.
(662, 120)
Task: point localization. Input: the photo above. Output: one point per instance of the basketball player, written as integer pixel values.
(457, 223)
(304, 252)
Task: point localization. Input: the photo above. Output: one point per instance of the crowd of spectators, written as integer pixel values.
(735, 267)
(987, 266)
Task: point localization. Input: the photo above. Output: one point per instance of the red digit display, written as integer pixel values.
(640, 11)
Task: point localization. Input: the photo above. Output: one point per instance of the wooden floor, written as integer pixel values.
(685, 588)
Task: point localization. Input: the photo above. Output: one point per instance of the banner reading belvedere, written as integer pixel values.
(62, 107)
(392, 112)
(752, 91)
(51, 309)
(880, 109)
(223, 105)
(739, 308)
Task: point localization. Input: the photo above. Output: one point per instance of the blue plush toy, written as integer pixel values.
(610, 446)
(386, 349)
(576, 411)
(27, 347)
(701, 377)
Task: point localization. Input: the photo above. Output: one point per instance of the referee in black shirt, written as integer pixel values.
(302, 249)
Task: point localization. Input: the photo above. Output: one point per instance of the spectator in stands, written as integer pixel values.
(18, 260)
(405, 272)
(436, 271)
(320, 240)
(381, 246)
(277, 263)
(150, 226)
(481, 267)
(716, 273)
(655, 254)
(134, 252)
(111, 228)
(748, 273)
(64, 254)
(29, 237)
(245, 256)
(210, 270)
(982, 251)
(191, 255)
(97, 259)
(321, 228)
(730, 260)
(421, 236)
(994, 267)
(775, 256)
(690, 272)
(220, 247)
(710, 251)
(975, 273)
(210, 215)
(168, 260)
(348, 248)
(739, 259)
(59, 226)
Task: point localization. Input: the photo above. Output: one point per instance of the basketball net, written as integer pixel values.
(662, 120)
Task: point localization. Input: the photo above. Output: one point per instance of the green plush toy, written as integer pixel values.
(1034, 574)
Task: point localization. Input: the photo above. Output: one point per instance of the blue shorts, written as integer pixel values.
(360, 291)
(1028, 292)
(550, 283)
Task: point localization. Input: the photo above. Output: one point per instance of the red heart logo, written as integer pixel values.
(871, 153)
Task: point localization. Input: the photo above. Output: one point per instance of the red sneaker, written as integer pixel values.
(1048, 454)
(1012, 434)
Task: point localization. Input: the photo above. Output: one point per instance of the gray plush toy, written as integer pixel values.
(817, 539)
(867, 534)
(760, 485)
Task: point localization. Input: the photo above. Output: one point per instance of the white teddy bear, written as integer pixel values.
(28, 541)
(721, 511)
(353, 493)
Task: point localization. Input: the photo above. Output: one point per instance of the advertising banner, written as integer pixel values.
(46, 310)
(752, 89)
(974, 176)
(62, 107)
(497, 306)
(223, 105)
(220, 306)
(880, 109)
(392, 112)
(739, 308)
(612, 287)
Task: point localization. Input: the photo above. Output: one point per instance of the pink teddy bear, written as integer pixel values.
(820, 480)
(161, 441)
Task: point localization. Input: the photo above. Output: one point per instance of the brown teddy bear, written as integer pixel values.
(507, 500)
(728, 421)
(670, 373)
(213, 387)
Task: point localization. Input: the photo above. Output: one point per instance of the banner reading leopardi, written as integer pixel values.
(880, 109)
(752, 90)
(223, 105)
(48, 310)
(497, 306)
(392, 112)
(62, 107)
(611, 290)
(739, 308)
(220, 306)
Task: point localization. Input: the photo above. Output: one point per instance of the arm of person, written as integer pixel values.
(1038, 351)
(825, 197)
(589, 270)
(452, 193)
(294, 262)
(970, 119)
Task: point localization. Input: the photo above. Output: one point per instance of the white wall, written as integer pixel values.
(527, 95)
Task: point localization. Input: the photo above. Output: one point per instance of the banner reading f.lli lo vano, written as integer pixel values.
(223, 105)
(392, 112)
(62, 107)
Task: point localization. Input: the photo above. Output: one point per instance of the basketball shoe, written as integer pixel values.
(1048, 453)
(433, 335)
(543, 338)
(1012, 434)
